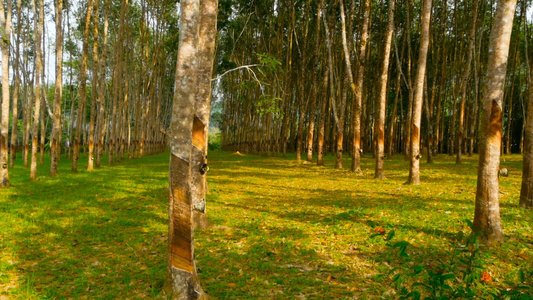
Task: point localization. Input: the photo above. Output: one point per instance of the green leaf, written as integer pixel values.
(396, 277)
(390, 235)
(448, 276)
(414, 295)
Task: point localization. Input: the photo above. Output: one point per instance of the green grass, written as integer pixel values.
(278, 229)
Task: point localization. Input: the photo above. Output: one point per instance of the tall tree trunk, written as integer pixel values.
(100, 123)
(314, 87)
(39, 23)
(337, 111)
(206, 54)
(409, 115)
(182, 281)
(322, 121)
(464, 82)
(82, 88)
(301, 84)
(357, 150)
(58, 92)
(5, 23)
(487, 214)
(16, 89)
(526, 193)
(382, 103)
(90, 164)
(414, 153)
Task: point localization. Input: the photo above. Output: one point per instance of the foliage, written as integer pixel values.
(434, 280)
(214, 140)
(268, 105)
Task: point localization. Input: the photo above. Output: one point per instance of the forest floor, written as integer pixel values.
(279, 230)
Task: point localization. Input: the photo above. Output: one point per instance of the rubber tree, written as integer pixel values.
(414, 152)
(5, 23)
(383, 93)
(526, 193)
(58, 92)
(38, 13)
(487, 212)
(182, 280)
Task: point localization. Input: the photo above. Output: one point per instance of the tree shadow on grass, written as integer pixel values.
(92, 235)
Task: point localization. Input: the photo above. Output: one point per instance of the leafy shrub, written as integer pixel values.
(214, 141)
(459, 274)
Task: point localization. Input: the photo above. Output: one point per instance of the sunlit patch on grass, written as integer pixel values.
(279, 229)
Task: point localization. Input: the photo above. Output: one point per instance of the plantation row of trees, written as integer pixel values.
(294, 75)
(379, 77)
(127, 92)
(363, 95)
(114, 71)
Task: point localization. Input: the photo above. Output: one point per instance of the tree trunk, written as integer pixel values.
(382, 103)
(314, 87)
(16, 90)
(487, 214)
(90, 164)
(206, 54)
(182, 281)
(414, 151)
(82, 88)
(464, 82)
(100, 123)
(526, 193)
(58, 92)
(322, 122)
(5, 23)
(357, 150)
(39, 23)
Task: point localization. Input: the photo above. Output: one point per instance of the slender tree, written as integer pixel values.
(464, 81)
(16, 89)
(58, 92)
(414, 151)
(357, 150)
(487, 213)
(526, 193)
(100, 123)
(380, 115)
(82, 90)
(38, 13)
(5, 23)
(92, 120)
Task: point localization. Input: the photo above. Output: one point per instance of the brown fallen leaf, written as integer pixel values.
(232, 285)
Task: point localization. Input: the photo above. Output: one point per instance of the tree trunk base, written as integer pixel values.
(182, 285)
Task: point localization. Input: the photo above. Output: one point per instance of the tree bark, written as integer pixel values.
(314, 87)
(526, 192)
(38, 23)
(92, 117)
(82, 88)
(382, 103)
(182, 281)
(58, 92)
(414, 151)
(357, 150)
(464, 82)
(487, 213)
(100, 123)
(206, 54)
(16, 89)
(5, 23)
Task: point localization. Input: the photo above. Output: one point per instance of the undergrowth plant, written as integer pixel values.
(459, 274)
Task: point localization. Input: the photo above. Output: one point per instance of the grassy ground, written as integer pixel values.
(278, 229)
